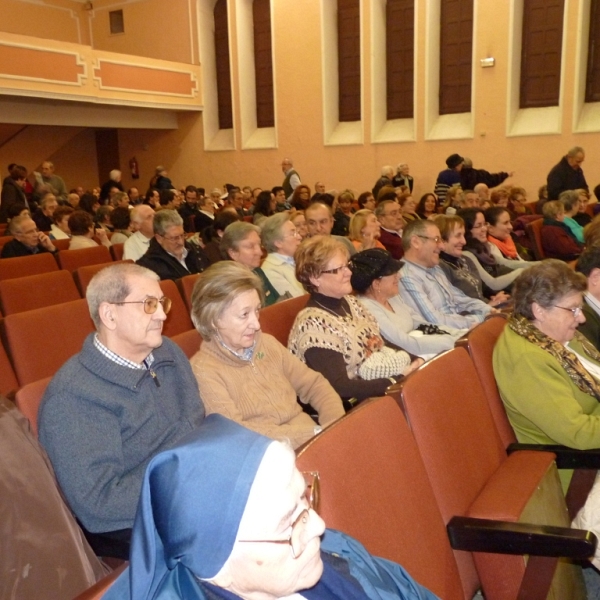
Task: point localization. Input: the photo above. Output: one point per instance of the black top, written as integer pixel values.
(14, 249)
(167, 266)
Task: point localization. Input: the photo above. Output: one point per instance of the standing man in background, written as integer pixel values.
(292, 179)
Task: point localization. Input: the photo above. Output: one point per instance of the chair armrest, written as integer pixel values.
(503, 537)
(566, 458)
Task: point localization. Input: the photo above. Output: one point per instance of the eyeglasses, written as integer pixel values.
(174, 238)
(292, 233)
(578, 310)
(151, 304)
(297, 538)
(335, 271)
(437, 239)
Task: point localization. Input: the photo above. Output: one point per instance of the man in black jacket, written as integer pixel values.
(27, 239)
(567, 174)
(169, 255)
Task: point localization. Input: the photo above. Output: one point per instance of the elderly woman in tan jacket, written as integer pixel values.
(248, 376)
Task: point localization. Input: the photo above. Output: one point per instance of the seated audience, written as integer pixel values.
(129, 394)
(264, 207)
(89, 203)
(301, 197)
(142, 222)
(366, 200)
(455, 199)
(499, 197)
(546, 370)
(375, 276)
(299, 220)
(343, 214)
(589, 265)
(389, 215)
(152, 198)
(60, 228)
(408, 207)
(427, 206)
(102, 220)
(247, 376)
(558, 241)
(319, 221)
(281, 240)
(241, 243)
(81, 226)
(43, 215)
(229, 484)
(211, 236)
(424, 286)
(169, 255)
(463, 268)
(120, 220)
(27, 239)
(13, 191)
(189, 209)
(582, 217)
(334, 334)
(205, 216)
(517, 203)
(502, 246)
(570, 201)
(365, 230)
(120, 199)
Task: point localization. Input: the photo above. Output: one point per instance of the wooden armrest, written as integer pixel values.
(503, 537)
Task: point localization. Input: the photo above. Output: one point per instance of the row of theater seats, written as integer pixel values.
(430, 477)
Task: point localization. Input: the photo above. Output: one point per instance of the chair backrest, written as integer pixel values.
(278, 318)
(8, 379)
(456, 435)
(4, 239)
(186, 287)
(188, 341)
(28, 400)
(534, 232)
(40, 341)
(479, 343)
(84, 275)
(374, 487)
(21, 266)
(62, 244)
(178, 320)
(71, 260)
(116, 251)
(37, 291)
(99, 589)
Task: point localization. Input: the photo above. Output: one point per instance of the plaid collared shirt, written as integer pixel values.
(124, 362)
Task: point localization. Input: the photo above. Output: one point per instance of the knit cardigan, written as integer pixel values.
(260, 394)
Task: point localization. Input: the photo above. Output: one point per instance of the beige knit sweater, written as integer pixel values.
(261, 394)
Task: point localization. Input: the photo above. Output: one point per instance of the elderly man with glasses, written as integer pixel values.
(169, 255)
(128, 395)
(424, 286)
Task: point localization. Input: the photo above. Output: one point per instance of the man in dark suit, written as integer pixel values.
(206, 215)
(27, 239)
(589, 265)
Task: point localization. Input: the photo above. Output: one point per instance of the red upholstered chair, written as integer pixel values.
(27, 265)
(97, 591)
(188, 341)
(178, 319)
(37, 291)
(278, 318)
(83, 275)
(61, 244)
(534, 232)
(472, 476)
(28, 400)
(8, 379)
(71, 260)
(186, 287)
(116, 251)
(40, 341)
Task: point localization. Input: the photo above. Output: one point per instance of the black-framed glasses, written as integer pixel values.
(437, 239)
(151, 304)
(335, 271)
(297, 539)
(578, 310)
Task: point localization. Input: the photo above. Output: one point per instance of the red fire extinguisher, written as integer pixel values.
(135, 171)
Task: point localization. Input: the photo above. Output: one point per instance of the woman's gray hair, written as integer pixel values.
(234, 234)
(569, 198)
(546, 284)
(216, 289)
(112, 285)
(271, 232)
(166, 218)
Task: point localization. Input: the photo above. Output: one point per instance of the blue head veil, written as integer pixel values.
(193, 497)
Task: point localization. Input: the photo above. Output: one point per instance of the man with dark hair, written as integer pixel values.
(589, 265)
(448, 177)
(189, 208)
(281, 203)
(13, 191)
(567, 174)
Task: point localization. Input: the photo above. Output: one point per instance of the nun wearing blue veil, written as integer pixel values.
(224, 514)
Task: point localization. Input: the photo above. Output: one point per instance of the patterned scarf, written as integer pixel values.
(507, 246)
(568, 361)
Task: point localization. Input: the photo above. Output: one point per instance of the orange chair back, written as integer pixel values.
(479, 343)
(534, 232)
(278, 318)
(62, 244)
(84, 275)
(178, 320)
(188, 341)
(374, 487)
(186, 286)
(28, 400)
(71, 260)
(21, 266)
(116, 251)
(8, 379)
(36, 291)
